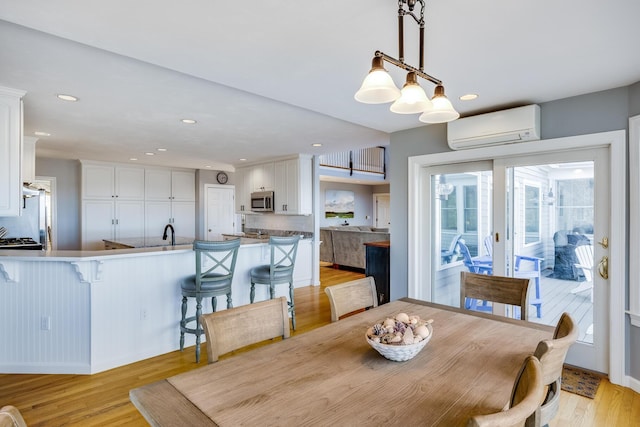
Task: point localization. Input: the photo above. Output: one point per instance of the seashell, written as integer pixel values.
(407, 338)
(389, 322)
(414, 319)
(422, 330)
(402, 317)
(370, 332)
(390, 329)
(376, 339)
(386, 339)
(397, 338)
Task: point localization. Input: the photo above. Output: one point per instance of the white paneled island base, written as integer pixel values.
(83, 312)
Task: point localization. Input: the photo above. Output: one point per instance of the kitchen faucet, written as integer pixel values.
(173, 234)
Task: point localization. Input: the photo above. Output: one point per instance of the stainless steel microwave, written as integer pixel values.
(262, 201)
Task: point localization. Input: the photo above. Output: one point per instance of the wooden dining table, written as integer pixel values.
(330, 376)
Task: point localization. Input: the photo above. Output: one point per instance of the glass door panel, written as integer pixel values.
(557, 211)
(461, 217)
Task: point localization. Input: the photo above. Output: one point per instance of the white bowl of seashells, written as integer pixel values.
(400, 338)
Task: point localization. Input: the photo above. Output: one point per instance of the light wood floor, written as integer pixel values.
(103, 399)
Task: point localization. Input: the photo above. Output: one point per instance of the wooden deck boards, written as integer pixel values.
(557, 298)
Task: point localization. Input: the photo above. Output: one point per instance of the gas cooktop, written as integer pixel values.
(19, 243)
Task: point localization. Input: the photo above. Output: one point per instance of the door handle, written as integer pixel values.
(603, 267)
(604, 242)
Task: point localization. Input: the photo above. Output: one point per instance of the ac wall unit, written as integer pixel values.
(497, 128)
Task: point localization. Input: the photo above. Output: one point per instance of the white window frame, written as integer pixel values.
(634, 223)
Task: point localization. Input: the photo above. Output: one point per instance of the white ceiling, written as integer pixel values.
(266, 79)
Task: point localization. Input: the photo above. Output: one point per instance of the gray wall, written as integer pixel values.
(363, 195)
(67, 174)
(579, 115)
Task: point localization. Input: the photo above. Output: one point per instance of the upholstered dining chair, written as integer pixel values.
(525, 398)
(279, 271)
(239, 327)
(10, 416)
(215, 265)
(552, 354)
(351, 296)
(500, 289)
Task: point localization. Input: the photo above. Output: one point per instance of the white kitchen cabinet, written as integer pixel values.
(262, 177)
(167, 184)
(242, 182)
(104, 181)
(181, 215)
(110, 219)
(10, 151)
(29, 158)
(293, 186)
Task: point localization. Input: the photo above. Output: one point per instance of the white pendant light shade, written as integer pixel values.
(412, 99)
(442, 111)
(378, 87)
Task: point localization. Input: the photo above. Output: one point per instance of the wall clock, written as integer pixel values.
(222, 178)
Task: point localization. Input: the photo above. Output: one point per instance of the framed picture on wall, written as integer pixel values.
(339, 204)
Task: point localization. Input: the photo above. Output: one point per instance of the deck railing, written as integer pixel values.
(369, 160)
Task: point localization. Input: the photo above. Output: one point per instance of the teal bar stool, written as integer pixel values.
(215, 264)
(283, 259)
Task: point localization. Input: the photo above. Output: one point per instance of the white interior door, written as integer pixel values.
(382, 208)
(219, 206)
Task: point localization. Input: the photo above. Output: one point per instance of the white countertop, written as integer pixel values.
(149, 242)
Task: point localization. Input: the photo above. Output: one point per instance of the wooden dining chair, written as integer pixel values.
(238, 327)
(525, 398)
(10, 416)
(500, 289)
(552, 354)
(352, 296)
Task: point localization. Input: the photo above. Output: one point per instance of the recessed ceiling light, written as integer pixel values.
(150, 154)
(38, 133)
(243, 160)
(468, 97)
(317, 144)
(69, 98)
(133, 159)
(208, 166)
(161, 149)
(188, 121)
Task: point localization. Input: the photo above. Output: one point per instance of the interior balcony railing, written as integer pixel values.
(367, 160)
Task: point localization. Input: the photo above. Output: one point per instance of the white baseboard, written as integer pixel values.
(633, 384)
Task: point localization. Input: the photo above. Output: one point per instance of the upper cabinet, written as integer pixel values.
(290, 180)
(293, 186)
(170, 185)
(104, 181)
(29, 158)
(262, 177)
(10, 151)
(242, 180)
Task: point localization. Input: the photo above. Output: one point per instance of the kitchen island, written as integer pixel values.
(83, 312)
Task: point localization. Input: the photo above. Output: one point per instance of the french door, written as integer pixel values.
(545, 216)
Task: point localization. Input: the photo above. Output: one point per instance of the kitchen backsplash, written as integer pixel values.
(303, 223)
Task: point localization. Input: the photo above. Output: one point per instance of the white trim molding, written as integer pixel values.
(634, 224)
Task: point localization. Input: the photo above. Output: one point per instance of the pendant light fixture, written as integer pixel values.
(378, 87)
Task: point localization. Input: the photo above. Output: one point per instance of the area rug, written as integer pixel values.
(580, 382)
